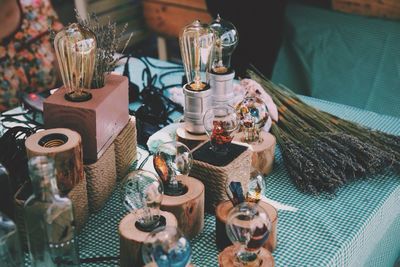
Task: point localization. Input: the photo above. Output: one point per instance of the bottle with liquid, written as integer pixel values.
(10, 249)
(49, 219)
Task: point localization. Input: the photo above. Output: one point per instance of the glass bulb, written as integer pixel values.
(142, 193)
(166, 247)
(220, 124)
(253, 114)
(226, 40)
(248, 227)
(196, 43)
(76, 53)
(172, 159)
(10, 249)
(239, 191)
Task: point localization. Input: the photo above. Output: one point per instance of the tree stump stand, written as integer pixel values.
(131, 239)
(188, 208)
(227, 256)
(221, 214)
(262, 158)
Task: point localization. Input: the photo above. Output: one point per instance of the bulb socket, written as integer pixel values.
(222, 88)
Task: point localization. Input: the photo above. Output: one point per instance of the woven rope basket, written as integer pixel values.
(101, 179)
(125, 148)
(214, 178)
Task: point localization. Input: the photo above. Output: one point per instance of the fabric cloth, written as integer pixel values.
(359, 227)
(27, 58)
(343, 58)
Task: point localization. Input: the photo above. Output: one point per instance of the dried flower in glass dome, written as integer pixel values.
(253, 114)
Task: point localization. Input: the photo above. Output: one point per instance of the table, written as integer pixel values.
(359, 227)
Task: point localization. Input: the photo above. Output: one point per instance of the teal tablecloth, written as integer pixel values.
(342, 58)
(359, 227)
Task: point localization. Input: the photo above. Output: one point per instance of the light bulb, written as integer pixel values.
(166, 247)
(248, 227)
(142, 193)
(196, 43)
(172, 159)
(227, 38)
(76, 53)
(253, 114)
(239, 191)
(220, 124)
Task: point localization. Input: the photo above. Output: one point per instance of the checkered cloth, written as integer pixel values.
(363, 218)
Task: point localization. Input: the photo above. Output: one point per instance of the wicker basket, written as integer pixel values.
(376, 8)
(101, 179)
(214, 177)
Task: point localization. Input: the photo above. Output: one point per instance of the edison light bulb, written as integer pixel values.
(172, 159)
(248, 227)
(142, 193)
(220, 124)
(227, 38)
(76, 53)
(166, 247)
(196, 42)
(253, 114)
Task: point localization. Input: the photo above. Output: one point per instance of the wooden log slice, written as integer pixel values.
(190, 140)
(221, 214)
(65, 147)
(263, 152)
(131, 239)
(188, 208)
(227, 258)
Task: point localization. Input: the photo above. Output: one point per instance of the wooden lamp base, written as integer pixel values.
(191, 140)
(188, 208)
(131, 238)
(262, 152)
(221, 214)
(227, 257)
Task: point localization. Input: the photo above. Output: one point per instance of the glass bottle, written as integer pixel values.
(10, 250)
(49, 219)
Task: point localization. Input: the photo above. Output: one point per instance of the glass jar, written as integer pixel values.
(49, 219)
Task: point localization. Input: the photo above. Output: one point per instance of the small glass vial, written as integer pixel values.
(49, 219)
(10, 249)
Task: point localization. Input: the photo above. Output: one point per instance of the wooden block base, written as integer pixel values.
(227, 258)
(188, 208)
(263, 152)
(98, 120)
(190, 140)
(221, 214)
(132, 238)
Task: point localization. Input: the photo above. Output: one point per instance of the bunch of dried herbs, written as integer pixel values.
(322, 152)
(108, 41)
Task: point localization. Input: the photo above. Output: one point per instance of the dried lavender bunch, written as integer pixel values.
(322, 152)
(108, 40)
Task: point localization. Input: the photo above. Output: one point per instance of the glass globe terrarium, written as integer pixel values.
(227, 38)
(239, 191)
(253, 114)
(172, 159)
(142, 193)
(220, 124)
(248, 227)
(166, 247)
(76, 53)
